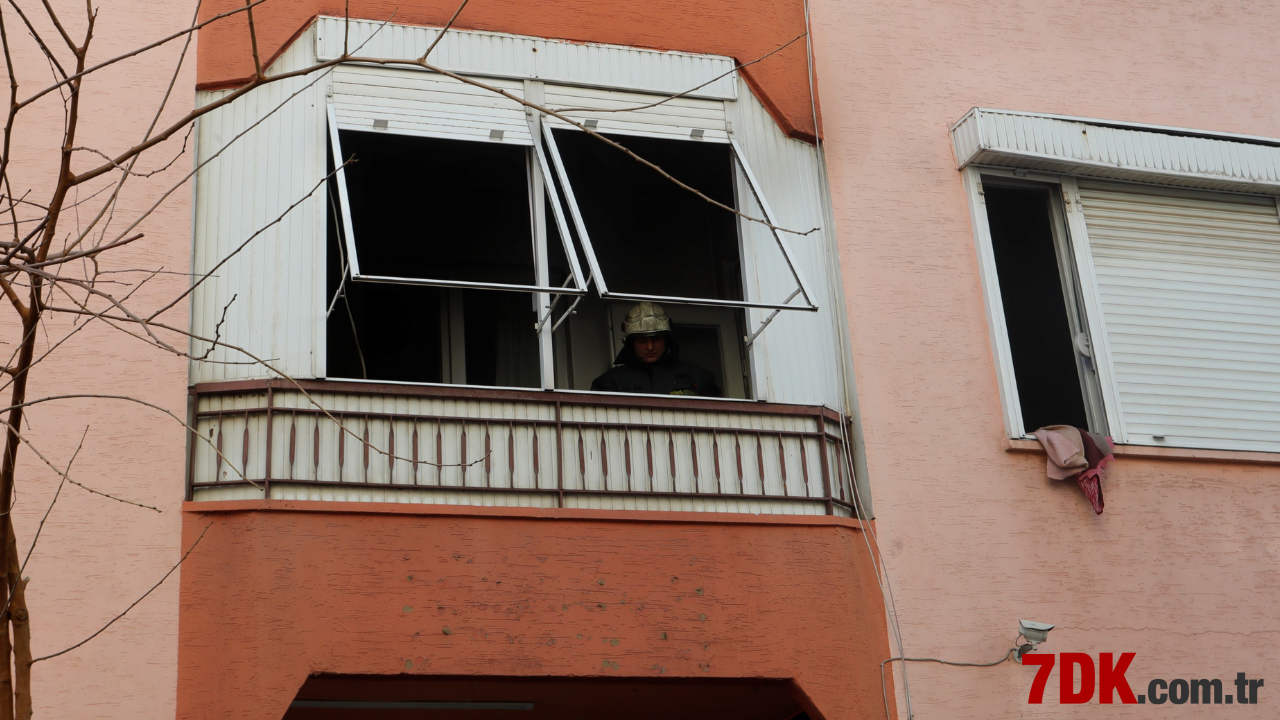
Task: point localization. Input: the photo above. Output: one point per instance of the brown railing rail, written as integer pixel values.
(559, 446)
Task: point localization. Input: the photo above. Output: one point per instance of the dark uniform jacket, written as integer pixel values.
(668, 376)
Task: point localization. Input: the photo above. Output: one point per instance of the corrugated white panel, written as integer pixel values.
(680, 119)
(427, 105)
(1189, 285)
(1080, 147)
(520, 57)
(798, 358)
(278, 280)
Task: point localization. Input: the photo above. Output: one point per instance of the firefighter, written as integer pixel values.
(650, 360)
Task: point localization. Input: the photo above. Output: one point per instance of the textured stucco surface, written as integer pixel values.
(1181, 568)
(95, 556)
(273, 596)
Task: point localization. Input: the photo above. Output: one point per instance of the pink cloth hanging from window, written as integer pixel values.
(1077, 454)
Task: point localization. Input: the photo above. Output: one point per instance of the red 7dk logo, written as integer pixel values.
(1111, 679)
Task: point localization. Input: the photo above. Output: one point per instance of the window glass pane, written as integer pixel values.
(650, 236)
(439, 209)
(1044, 364)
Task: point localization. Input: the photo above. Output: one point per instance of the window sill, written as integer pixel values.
(1164, 453)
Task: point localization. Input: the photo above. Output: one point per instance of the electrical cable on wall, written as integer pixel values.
(868, 535)
(884, 693)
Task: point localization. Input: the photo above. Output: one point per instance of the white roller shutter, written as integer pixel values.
(683, 118)
(411, 102)
(1189, 289)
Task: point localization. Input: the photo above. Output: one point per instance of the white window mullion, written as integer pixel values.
(542, 273)
(602, 284)
(1092, 301)
(583, 236)
(348, 234)
(777, 236)
(994, 302)
(1081, 336)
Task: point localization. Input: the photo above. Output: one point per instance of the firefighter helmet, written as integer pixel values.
(645, 319)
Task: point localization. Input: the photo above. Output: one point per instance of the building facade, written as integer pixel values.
(900, 237)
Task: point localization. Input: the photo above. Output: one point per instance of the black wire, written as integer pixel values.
(884, 693)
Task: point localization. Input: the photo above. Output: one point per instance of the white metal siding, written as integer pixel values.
(505, 453)
(528, 58)
(428, 105)
(1090, 148)
(798, 358)
(1190, 293)
(676, 119)
(278, 280)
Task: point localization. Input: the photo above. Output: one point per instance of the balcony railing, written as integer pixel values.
(371, 442)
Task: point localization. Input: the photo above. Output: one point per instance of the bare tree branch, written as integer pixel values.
(53, 16)
(36, 538)
(81, 485)
(669, 98)
(39, 40)
(253, 40)
(139, 51)
(581, 127)
(248, 240)
(133, 604)
(439, 37)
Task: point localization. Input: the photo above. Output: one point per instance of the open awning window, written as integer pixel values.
(442, 190)
(643, 237)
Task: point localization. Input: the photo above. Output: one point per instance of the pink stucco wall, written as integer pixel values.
(1181, 568)
(96, 556)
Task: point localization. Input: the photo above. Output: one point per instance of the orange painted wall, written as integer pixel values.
(740, 29)
(274, 594)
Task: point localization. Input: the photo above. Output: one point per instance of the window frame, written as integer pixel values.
(598, 277)
(537, 159)
(1080, 298)
(548, 178)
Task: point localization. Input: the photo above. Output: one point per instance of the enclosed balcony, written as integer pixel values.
(341, 441)
(428, 324)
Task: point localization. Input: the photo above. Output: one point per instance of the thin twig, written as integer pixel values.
(56, 493)
(138, 51)
(217, 330)
(39, 40)
(443, 30)
(248, 240)
(127, 398)
(66, 477)
(134, 603)
(253, 41)
(669, 98)
(603, 138)
(147, 174)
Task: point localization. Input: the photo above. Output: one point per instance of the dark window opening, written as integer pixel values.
(459, 211)
(441, 210)
(1040, 335)
(427, 697)
(652, 237)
